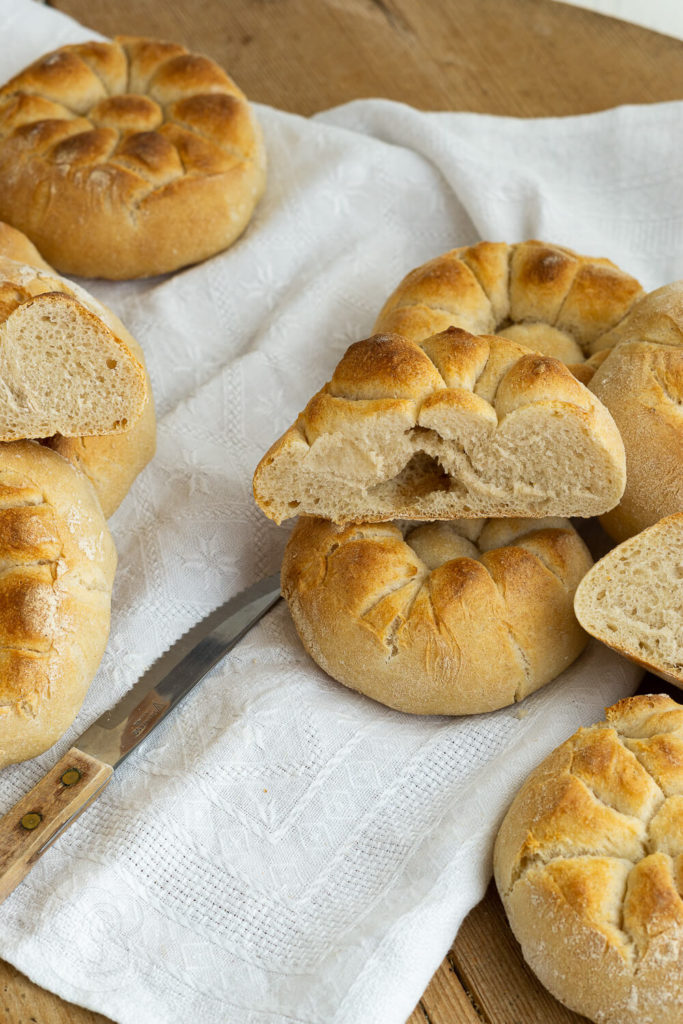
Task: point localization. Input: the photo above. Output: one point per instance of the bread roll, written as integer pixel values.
(632, 599)
(440, 619)
(543, 296)
(113, 461)
(456, 426)
(641, 383)
(58, 562)
(127, 158)
(589, 865)
(61, 368)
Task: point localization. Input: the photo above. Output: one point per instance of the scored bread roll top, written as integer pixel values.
(110, 461)
(589, 865)
(57, 569)
(127, 158)
(641, 383)
(543, 296)
(453, 426)
(450, 618)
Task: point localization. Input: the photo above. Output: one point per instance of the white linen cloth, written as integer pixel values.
(282, 849)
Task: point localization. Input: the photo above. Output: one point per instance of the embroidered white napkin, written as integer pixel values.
(284, 850)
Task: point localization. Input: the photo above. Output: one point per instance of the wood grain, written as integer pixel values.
(525, 58)
(489, 961)
(519, 57)
(51, 805)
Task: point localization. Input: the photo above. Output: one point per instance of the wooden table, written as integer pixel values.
(527, 58)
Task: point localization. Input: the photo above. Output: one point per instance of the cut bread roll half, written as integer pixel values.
(632, 599)
(62, 370)
(589, 865)
(456, 426)
(441, 618)
(544, 296)
(110, 461)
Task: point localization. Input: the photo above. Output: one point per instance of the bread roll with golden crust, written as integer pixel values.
(543, 296)
(641, 383)
(16, 246)
(455, 426)
(442, 618)
(111, 462)
(127, 158)
(589, 865)
(632, 599)
(58, 562)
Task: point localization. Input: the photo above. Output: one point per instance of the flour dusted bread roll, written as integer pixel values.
(641, 383)
(127, 158)
(543, 296)
(442, 618)
(58, 563)
(111, 461)
(455, 426)
(632, 599)
(589, 865)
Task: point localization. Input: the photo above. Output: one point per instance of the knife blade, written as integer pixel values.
(47, 810)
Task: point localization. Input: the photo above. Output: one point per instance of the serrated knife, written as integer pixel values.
(33, 824)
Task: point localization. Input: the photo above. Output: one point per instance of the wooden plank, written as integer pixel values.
(487, 957)
(445, 1001)
(22, 1002)
(517, 57)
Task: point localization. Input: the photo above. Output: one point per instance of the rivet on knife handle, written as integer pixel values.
(31, 825)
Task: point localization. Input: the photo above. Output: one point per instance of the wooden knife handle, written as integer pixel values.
(45, 812)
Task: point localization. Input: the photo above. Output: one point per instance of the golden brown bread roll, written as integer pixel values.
(453, 426)
(58, 562)
(127, 158)
(641, 383)
(632, 599)
(589, 865)
(113, 461)
(442, 618)
(543, 296)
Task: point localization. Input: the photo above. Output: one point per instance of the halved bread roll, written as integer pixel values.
(440, 618)
(62, 370)
(632, 599)
(110, 461)
(543, 296)
(58, 562)
(589, 865)
(455, 426)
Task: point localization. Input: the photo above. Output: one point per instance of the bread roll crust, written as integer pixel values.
(127, 158)
(57, 562)
(456, 426)
(641, 383)
(544, 296)
(455, 618)
(589, 865)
